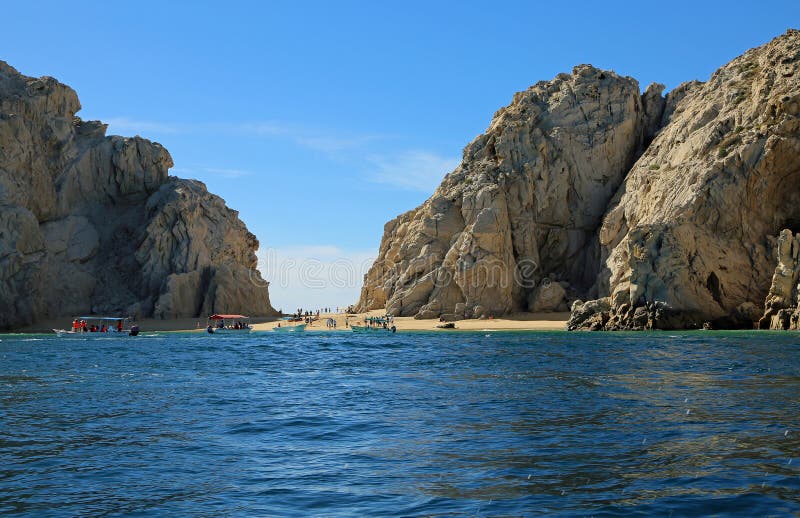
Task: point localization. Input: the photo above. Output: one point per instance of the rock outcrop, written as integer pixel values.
(94, 224)
(523, 206)
(781, 309)
(691, 230)
(661, 211)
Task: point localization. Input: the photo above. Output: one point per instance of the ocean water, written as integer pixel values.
(415, 424)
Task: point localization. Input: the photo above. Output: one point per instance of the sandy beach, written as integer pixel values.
(517, 322)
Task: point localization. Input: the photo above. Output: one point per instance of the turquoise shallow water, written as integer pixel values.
(477, 424)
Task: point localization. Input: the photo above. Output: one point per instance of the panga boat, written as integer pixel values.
(289, 329)
(98, 327)
(372, 329)
(219, 323)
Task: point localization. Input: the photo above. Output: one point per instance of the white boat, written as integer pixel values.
(225, 324)
(98, 327)
(289, 329)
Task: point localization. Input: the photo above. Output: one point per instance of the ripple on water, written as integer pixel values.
(407, 424)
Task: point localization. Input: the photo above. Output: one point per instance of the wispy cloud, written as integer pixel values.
(416, 170)
(128, 126)
(333, 144)
(219, 171)
(260, 129)
(228, 173)
(310, 138)
(411, 170)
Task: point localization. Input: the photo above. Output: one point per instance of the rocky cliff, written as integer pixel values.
(512, 228)
(93, 224)
(662, 210)
(689, 237)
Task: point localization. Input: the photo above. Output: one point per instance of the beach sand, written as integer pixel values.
(518, 322)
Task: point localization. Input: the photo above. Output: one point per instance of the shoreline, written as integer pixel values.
(518, 322)
(515, 322)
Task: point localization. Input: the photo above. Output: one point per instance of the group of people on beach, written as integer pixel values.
(80, 326)
(300, 313)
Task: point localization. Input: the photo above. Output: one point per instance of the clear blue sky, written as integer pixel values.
(320, 121)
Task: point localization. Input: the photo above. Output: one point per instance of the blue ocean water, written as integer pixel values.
(431, 424)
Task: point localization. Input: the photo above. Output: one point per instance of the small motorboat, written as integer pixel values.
(289, 329)
(223, 324)
(98, 327)
(373, 329)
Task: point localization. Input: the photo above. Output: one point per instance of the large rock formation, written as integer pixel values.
(522, 207)
(661, 210)
(93, 224)
(689, 238)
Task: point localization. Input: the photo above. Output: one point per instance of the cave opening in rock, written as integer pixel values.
(712, 284)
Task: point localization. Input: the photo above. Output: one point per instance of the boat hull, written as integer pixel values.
(64, 333)
(290, 329)
(367, 329)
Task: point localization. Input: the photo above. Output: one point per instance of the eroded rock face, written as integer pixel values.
(523, 206)
(781, 307)
(93, 224)
(691, 229)
(661, 211)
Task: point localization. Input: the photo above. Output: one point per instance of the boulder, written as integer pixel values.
(547, 297)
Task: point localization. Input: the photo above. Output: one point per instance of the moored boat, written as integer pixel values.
(98, 327)
(225, 323)
(373, 329)
(289, 329)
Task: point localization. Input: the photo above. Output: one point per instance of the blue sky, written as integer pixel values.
(320, 121)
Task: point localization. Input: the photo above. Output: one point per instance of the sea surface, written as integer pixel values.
(414, 424)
